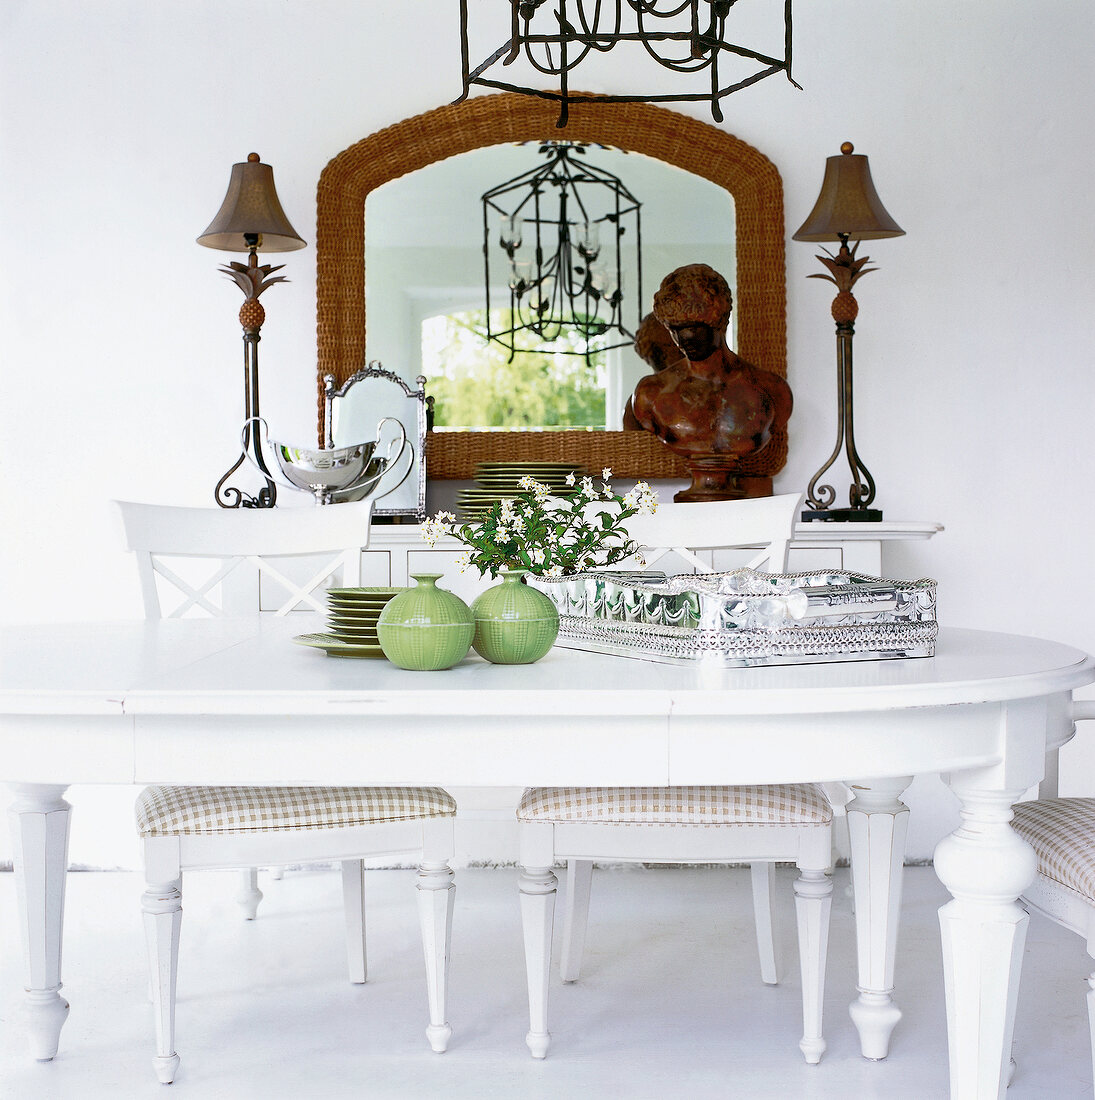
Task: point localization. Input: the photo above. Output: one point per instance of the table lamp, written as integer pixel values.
(848, 208)
(250, 218)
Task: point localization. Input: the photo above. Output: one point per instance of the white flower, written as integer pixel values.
(553, 571)
(463, 560)
(503, 532)
(537, 556)
(437, 527)
(606, 473)
(570, 478)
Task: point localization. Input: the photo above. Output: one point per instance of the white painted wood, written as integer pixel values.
(353, 906)
(854, 546)
(813, 902)
(161, 904)
(764, 902)
(166, 858)
(263, 540)
(247, 538)
(543, 843)
(397, 551)
(436, 898)
(985, 865)
(985, 706)
(537, 917)
(248, 893)
(579, 882)
(39, 820)
(877, 827)
(255, 541)
(1061, 905)
(682, 532)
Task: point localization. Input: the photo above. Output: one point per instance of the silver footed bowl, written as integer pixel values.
(334, 470)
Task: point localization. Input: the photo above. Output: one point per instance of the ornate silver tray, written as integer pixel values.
(743, 617)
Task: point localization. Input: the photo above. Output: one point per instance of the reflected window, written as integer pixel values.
(476, 385)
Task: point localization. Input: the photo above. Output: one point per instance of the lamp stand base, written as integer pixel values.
(843, 515)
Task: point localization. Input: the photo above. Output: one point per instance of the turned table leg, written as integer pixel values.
(39, 818)
(985, 865)
(877, 823)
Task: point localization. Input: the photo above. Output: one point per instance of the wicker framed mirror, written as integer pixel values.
(676, 139)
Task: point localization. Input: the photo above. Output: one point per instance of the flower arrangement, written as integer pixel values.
(551, 536)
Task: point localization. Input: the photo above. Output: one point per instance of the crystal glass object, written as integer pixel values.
(744, 617)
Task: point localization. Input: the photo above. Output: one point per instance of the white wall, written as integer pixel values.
(120, 369)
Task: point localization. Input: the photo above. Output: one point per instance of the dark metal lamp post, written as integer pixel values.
(848, 208)
(250, 218)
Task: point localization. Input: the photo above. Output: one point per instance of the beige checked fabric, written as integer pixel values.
(778, 804)
(1062, 833)
(194, 811)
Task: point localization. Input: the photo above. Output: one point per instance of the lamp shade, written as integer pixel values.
(848, 205)
(251, 206)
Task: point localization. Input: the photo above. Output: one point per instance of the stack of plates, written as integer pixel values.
(496, 480)
(352, 615)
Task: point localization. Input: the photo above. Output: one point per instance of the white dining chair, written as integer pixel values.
(187, 828)
(1062, 833)
(758, 825)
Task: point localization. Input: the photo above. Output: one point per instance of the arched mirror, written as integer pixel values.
(679, 143)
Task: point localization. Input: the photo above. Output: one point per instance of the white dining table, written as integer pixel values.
(235, 702)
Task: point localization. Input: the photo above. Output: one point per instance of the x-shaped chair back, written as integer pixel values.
(766, 523)
(252, 540)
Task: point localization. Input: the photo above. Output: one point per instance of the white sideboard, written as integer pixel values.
(396, 551)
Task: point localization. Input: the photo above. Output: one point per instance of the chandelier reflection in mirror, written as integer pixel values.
(558, 231)
(685, 36)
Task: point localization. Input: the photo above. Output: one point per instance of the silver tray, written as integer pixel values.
(743, 617)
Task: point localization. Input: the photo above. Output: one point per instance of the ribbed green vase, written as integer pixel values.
(514, 624)
(425, 628)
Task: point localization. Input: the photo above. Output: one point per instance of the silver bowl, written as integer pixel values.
(335, 473)
(331, 470)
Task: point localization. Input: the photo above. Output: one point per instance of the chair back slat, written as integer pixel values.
(764, 523)
(239, 542)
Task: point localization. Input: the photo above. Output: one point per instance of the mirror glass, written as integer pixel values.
(424, 261)
(353, 415)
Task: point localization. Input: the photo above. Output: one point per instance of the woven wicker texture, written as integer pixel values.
(676, 139)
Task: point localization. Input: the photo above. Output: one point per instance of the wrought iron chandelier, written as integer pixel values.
(685, 36)
(559, 228)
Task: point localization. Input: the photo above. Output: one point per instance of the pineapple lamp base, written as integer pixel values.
(230, 496)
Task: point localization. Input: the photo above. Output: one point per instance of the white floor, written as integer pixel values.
(670, 1003)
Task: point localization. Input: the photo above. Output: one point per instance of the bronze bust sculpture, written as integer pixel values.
(654, 344)
(709, 407)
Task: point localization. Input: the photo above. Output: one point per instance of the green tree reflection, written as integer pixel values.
(475, 386)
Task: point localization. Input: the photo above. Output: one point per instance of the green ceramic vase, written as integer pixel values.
(514, 624)
(425, 628)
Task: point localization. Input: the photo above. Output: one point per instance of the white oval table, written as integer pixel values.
(233, 701)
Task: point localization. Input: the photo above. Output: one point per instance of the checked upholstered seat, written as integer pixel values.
(1062, 833)
(208, 811)
(786, 804)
